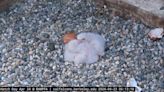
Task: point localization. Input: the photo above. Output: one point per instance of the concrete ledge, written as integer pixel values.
(150, 12)
(151, 15)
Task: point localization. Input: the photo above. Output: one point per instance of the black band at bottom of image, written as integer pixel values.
(130, 89)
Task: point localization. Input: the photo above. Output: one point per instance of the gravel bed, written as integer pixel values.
(31, 48)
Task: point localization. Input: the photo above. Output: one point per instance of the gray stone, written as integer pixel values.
(51, 46)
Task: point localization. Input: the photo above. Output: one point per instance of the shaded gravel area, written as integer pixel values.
(31, 48)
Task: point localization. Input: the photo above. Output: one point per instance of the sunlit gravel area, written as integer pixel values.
(31, 47)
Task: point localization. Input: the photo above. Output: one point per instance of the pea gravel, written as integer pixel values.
(31, 48)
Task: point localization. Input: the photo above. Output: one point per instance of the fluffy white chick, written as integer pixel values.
(71, 50)
(96, 41)
(87, 53)
(80, 51)
(85, 48)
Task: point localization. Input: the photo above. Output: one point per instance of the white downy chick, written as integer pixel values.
(87, 54)
(84, 49)
(71, 50)
(96, 40)
(80, 51)
(132, 83)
